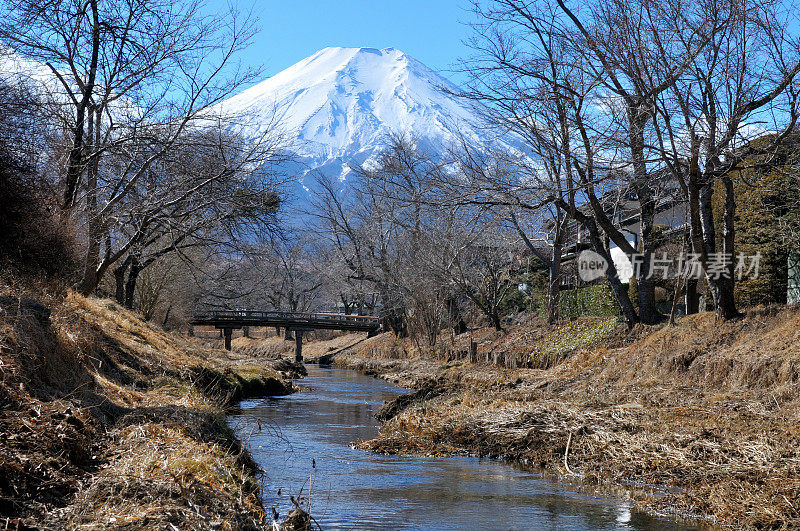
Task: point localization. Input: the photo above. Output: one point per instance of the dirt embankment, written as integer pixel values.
(705, 412)
(109, 422)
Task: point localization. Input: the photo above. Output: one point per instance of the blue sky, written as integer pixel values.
(432, 31)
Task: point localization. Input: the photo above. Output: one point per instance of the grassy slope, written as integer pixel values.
(707, 407)
(109, 422)
(277, 347)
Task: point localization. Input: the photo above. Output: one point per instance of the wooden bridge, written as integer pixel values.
(228, 321)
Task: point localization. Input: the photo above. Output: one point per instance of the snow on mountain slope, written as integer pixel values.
(343, 104)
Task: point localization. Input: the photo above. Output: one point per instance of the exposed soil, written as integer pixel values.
(702, 417)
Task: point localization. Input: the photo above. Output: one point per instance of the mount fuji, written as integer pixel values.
(342, 106)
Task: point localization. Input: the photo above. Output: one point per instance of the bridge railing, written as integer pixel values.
(252, 315)
(298, 322)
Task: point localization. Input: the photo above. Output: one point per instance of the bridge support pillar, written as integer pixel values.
(298, 346)
(228, 332)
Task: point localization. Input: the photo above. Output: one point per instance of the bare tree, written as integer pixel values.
(210, 190)
(413, 231)
(294, 281)
(528, 71)
(362, 225)
(480, 264)
(520, 189)
(339, 289)
(743, 83)
(32, 236)
(136, 78)
(622, 87)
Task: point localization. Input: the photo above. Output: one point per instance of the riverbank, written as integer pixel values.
(702, 418)
(108, 421)
(307, 447)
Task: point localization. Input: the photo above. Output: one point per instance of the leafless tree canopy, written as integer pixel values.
(145, 164)
(113, 110)
(648, 98)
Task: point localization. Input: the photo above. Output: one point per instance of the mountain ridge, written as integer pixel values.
(344, 104)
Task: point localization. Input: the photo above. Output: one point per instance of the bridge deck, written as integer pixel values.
(290, 320)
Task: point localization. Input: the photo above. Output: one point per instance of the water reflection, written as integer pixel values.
(304, 444)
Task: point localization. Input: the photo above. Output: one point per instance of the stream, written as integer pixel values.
(303, 442)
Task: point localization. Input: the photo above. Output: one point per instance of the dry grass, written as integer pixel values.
(267, 348)
(705, 408)
(313, 351)
(274, 348)
(760, 351)
(111, 422)
(156, 475)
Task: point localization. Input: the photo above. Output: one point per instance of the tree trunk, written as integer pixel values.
(345, 304)
(370, 305)
(130, 284)
(228, 333)
(638, 117)
(621, 294)
(166, 317)
(691, 297)
(721, 285)
(726, 304)
(75, 163)
(456, 320)
(598, 243)
(554, 284)
(119, 280)
(646, 295)
(90, 279)
(496, 322)
(726, 307)
(393, 314)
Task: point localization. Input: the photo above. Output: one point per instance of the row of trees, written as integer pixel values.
(131, 148)
(644, 97)
(400, 239)
(166, 207)
(606, 102)
(603, 102)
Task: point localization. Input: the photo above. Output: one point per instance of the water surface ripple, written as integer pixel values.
(303, 442)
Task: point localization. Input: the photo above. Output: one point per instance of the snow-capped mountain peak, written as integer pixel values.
(343, 104)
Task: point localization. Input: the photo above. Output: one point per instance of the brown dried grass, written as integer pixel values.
(708, 409)
(111, 422)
